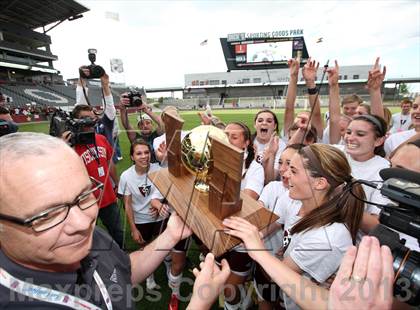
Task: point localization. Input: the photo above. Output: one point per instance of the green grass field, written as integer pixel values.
(159, 299)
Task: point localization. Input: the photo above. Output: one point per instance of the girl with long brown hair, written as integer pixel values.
(318, 231)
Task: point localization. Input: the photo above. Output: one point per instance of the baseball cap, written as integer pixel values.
(143, 117)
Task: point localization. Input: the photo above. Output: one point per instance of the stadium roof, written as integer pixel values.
(34, 13)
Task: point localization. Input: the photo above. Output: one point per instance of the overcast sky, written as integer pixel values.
(159, 41)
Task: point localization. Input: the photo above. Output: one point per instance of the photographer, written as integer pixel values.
(105, 124)
(97, 156)
(144, 122)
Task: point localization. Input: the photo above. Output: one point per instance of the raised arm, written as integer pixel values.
(334, 104)
(269, 158)
(309, 72)
(291, 94)
(109, 109)
(299, 136)
(374, 83)
(81, 83)
(131, 135)
(145, 108)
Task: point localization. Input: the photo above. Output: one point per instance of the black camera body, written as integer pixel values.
(401, 186)
(7, 127)
(61, 122)
(135, 98)
(95, 71)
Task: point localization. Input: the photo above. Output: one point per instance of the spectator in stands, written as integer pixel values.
(52, 256)
(106, 119)
(145, 121)
(97, 158)
(401, 121)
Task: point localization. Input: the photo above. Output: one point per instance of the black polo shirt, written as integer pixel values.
(110, 262)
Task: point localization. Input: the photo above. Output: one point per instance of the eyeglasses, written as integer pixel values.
(54, 216)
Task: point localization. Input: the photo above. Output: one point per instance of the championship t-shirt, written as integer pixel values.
(142, 191)
(96, 159)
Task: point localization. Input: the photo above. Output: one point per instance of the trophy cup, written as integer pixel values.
(202, 183)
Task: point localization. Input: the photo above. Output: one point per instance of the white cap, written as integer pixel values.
(143, 117)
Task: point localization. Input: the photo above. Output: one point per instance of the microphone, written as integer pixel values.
(400, 173)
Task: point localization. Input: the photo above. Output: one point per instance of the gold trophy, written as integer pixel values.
(203, 183)
(195, 153)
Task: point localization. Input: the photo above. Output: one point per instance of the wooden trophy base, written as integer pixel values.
(193, 207)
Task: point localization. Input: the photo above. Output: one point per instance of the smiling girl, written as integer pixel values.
(319, 230)
(267, 144)
(142, 200)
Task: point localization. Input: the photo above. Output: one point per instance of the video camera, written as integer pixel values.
(7, 127)
(403, 187)
(95, 71)
(61, 122)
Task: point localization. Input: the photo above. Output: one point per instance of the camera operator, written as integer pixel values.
(144, 122)
(7, 125)
(97, 157)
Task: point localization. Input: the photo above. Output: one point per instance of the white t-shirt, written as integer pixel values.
(260, 147)
(142, 191)
(162, 138)
(269, 197)
(318, 253)
(326, 136)
(254, 178)
(368, 170)
(400, 122)
(394, 140)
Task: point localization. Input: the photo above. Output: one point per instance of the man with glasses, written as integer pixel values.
(52, 255)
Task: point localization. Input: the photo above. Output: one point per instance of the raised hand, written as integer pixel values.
(376, 77)
(302, 121)
(205, 119)
(294, 65)
(124, 100)
(272, 148)
(333, 75)
(105, 80)
(309, 72)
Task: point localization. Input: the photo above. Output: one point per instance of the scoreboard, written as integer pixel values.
(263, 50)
